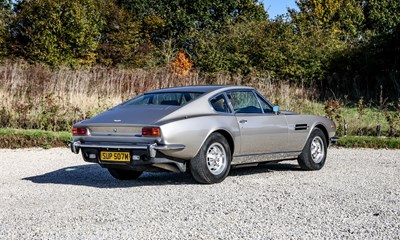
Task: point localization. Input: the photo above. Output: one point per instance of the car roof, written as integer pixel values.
(202, 89)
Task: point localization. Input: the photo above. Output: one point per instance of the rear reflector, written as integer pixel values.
(79, 131)
(151, 131)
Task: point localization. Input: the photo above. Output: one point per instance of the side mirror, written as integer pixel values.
(275, 109)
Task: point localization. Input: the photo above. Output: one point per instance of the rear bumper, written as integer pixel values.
(150, 148)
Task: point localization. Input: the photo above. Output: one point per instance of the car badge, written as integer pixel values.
(115, 130)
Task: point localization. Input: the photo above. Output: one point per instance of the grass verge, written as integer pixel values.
(369, 142)
(20, 138)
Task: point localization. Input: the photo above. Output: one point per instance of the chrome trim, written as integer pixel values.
(249, 158)
(268, 153)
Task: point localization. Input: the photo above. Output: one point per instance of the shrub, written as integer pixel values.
(57, 32)
(181, 65)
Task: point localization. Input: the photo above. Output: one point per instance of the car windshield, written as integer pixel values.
(166, 98)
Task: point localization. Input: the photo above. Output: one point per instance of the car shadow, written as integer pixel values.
(92, 175)
(265, 167)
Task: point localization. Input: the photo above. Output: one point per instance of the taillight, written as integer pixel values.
(151, 131)
(79, 131)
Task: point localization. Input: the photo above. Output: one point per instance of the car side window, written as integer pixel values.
(244, 102)
(220, 104)
(264, 105)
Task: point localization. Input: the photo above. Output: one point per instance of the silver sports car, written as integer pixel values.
(204, 130)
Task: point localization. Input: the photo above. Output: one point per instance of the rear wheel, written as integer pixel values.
(213, 161)
(314, 153)
(121, 174)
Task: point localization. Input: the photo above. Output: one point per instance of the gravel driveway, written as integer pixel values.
(53, 194)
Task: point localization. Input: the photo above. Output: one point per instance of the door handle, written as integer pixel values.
(243, 121)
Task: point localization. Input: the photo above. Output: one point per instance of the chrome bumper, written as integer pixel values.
(334, 140)
(151, 148)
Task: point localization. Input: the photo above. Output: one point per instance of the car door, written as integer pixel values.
(261, 130)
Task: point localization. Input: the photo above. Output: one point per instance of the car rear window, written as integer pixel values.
(167, 98)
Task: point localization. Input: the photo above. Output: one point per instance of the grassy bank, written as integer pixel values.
(36, 97)
(18, 138)
(369, 142)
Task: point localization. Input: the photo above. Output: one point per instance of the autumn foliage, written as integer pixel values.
(181, 65)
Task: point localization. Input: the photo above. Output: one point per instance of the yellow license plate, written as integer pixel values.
(115, 156)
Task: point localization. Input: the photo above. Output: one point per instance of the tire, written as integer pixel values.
(121, 174)
(213, 162)
(313, 156)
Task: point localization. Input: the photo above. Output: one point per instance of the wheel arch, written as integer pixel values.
(226, 134)
(323, 129)
(228, 137)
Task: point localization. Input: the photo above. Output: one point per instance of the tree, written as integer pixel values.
(343, 19)
(120, 35)
(5, 18)
(178, 19)
(371, 61)
(272, 47)
(58, 31)
(382, 16)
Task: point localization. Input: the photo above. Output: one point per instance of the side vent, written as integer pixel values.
(298, 127)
